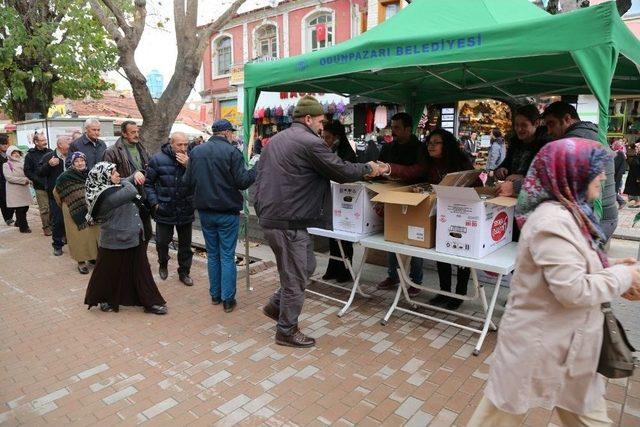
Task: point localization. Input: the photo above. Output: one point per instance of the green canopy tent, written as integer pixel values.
(436, 51)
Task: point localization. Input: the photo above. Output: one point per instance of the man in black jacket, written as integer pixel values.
(171, 204)
(293, 193)
(51, 167)
(216, 172)
(89, 143)
(7, 213)
(31, 166)
(562, 121)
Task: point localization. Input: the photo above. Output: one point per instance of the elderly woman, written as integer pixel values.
(69, 192)
(122, 275)
(551, 333)
(17, 187)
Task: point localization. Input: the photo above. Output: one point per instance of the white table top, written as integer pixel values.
(502, 261)
(338, 235)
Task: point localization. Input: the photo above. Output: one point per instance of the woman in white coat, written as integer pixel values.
(551, 333)
(18, 190)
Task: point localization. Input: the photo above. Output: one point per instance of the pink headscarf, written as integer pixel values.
(618, 145)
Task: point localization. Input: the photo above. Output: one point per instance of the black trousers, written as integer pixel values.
(57, 224)
(335, 266)
(444, 274)
(21, 217)
(164, 236)
(7, 213)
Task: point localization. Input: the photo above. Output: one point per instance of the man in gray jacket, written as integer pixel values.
(562, 121)
(293, 192)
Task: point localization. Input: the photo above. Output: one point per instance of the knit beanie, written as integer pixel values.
(308, 106)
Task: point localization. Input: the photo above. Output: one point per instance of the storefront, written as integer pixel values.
(624, 119)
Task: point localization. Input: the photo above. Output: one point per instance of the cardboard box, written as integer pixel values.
(409, 218)
(353, 209)
(472, 222)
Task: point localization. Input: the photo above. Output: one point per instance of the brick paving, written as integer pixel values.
(61, 364)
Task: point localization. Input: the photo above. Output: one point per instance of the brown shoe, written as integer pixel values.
(271, 312)
(47, 232)
(297, 339)
(388, 284)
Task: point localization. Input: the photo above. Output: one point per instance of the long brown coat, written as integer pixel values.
(551, 333)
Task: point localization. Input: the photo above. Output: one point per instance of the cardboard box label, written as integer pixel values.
(499, 226)
(416, 233)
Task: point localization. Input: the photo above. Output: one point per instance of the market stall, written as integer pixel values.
(437, 51)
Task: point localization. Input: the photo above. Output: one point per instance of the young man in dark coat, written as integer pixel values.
(562, 121)
(293, 193)
(171, 204)
(31, 166)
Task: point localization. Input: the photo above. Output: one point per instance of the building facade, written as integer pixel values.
(291, 28)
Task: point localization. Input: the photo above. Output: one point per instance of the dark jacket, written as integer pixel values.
(50, 173)
(120, 156)
(344, 150)
(620, 165)
(293, 189)
(588, 130)
(216, 174)
(401, 154)
(93, 150)
(31, 166)
(520, 155)
(632, 184)
(119, 217)
(3, 160)
(166, 190)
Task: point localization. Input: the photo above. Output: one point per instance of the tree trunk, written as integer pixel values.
(154, 133)
(39, 99)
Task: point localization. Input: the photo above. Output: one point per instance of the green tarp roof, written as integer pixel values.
(444, 50)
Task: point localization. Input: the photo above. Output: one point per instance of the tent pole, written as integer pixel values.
(493, 86)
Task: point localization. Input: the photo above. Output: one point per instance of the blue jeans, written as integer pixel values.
(415, 272)
(220, 233)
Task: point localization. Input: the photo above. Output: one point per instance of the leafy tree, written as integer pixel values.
(125, 22)
(554, 6)
(50, 48)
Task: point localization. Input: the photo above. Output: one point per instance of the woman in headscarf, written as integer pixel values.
(632, 183)
(122, 275)
(551, 332)
(69, 192)
(335, 137)
(440, 156)
(17, 187)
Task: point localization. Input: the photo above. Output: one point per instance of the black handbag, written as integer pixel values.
(616, 355)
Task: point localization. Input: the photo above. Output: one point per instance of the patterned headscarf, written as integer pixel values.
(77, 155)
(98, 181)
(561, 172)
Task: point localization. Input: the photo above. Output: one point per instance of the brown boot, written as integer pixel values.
(297, 339)
(388, 284)
(271, 311)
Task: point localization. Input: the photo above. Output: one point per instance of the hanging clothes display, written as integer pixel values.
(380, 117)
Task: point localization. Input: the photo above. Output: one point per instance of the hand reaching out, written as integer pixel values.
(138, 178)
(375, 170)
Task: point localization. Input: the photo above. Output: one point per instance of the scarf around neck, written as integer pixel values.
(561, 172)
(70, 186)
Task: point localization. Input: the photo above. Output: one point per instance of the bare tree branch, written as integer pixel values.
(106, 22)
(139, 21)
(117, 13)
(178, 22)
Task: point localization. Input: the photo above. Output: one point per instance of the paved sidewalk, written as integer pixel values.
(61, 364)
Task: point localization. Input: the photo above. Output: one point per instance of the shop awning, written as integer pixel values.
(441, 51)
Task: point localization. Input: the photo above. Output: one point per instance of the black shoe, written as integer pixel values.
(9, 222)
(156, 309)
(215, 301)
(57, 251)
(439, 300)
(388, 284)
(82, 268)
(297, 339)
(163, 272)
(92, 261)
(184, 278)
(271, 312)
(413, 292)
(25, 230)
(344, 277)
(229, 305)
(106, 307)
(329, 275)
(453, 303)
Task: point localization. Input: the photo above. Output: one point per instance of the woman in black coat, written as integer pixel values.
(632, 184)
(335, 137)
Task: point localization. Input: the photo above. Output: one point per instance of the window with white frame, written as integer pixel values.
(266, 41)
(222, 56)
(319, 31)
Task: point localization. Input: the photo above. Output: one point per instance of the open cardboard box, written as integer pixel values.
(353, 208)
(410, 218)
(473, 222)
